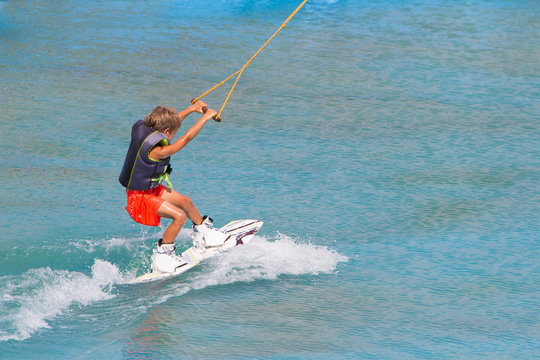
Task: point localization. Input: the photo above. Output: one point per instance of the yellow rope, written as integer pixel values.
(239, 72)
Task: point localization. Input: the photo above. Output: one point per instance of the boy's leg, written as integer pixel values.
(170, 211)
(164, 259)
(206, 234)
(183, 202)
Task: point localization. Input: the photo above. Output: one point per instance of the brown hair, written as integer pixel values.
(163, 117)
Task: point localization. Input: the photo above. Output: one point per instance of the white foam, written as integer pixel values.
(31, 300)
(264, 260)
(39, 295)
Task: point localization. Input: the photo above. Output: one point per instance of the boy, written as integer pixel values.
(147, 165)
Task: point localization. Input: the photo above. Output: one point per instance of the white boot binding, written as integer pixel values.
(164, 260)
(204, 235)
(198, 239)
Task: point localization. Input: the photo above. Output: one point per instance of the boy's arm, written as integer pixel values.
(162, 152)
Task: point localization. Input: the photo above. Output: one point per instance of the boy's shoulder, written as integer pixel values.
(140, 130)
(141, 125)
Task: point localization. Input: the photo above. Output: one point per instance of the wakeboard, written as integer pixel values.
(241, 231)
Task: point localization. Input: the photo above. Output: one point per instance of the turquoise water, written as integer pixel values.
(391, 148)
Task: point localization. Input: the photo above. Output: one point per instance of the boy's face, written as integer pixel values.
(170, 133)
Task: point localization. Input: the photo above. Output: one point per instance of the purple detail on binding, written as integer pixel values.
(239, 242)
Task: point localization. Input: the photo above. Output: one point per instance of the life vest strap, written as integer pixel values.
(165, 177)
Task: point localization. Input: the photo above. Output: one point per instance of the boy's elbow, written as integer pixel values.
(166, 152)
(159, 153)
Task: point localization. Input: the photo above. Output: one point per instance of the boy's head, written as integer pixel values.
(163, 118)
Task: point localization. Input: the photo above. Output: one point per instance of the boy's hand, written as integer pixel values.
(200, 107)
(209, 114)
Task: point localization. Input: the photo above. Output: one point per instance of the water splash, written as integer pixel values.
(39, 295)
(32, 300)
(261, 259)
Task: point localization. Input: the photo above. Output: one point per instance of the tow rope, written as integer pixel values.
(239, 72)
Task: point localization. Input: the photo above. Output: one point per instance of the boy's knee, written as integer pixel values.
(179, 216)
(186, 200)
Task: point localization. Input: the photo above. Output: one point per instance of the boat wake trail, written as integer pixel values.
(33, 300)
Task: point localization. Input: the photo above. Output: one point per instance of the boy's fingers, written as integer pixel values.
(204, 109)
(199, 104)
(213, 113)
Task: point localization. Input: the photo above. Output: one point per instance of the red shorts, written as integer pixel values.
(143, 205)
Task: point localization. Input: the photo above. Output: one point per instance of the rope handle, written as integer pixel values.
(205, 109)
